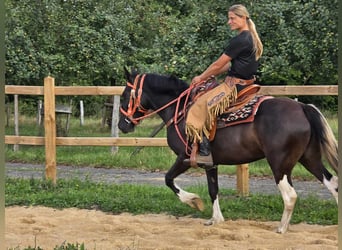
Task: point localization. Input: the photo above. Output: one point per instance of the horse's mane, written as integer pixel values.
(166, 84)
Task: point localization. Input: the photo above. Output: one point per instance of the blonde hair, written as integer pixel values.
(240, 10)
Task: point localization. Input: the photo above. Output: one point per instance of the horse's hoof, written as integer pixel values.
(281, 230)
(214, 221)
(209, 222)
(197, 203)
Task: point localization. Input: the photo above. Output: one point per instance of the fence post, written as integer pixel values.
(115, 120)
(242, 179)
(50, 128)
(81, 113)
(8, 114)
(16, 120)
(39, 113)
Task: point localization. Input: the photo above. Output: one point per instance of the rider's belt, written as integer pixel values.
(231, 81)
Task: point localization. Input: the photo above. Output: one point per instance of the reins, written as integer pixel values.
(134, 105)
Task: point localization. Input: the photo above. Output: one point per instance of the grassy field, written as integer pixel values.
(148, 158)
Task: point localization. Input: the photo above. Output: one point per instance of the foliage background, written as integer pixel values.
(82, 42)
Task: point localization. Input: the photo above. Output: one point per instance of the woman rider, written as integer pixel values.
(240, 61)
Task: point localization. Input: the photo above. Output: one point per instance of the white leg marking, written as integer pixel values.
(332, 185)
(193, 200)
(289, 197)
(217, 214)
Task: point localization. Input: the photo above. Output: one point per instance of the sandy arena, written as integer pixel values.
(48, 227)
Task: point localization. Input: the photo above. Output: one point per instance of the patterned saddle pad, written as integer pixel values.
(243, 115)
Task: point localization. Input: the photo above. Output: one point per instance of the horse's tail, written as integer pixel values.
(322, 131)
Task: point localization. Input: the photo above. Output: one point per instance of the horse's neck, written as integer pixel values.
(159, 96)
(167, 113)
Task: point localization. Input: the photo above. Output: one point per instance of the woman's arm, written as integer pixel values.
(218, 67)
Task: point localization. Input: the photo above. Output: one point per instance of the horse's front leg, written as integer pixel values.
(193, 200)
(213, 189)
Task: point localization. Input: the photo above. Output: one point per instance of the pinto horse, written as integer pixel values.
(284, 132)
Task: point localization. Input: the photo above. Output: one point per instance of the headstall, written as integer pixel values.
(134, 105)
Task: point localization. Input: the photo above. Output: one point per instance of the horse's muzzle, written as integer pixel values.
(126, 125)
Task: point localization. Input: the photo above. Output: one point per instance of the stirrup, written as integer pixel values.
(205, 160)
(204, 165)
(193, 155)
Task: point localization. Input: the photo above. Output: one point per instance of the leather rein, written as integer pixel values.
(134, 105)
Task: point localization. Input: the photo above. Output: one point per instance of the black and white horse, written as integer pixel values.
(284, 132)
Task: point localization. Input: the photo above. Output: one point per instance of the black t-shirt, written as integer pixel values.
(241, 50)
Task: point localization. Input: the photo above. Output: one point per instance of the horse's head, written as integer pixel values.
(131, 106)
(140, 96)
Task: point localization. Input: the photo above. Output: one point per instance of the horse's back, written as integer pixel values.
(279, 123)
(281, 119)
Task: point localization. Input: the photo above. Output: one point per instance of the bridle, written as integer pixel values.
(134, 105)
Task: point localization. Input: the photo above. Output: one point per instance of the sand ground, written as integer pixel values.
(49, 227)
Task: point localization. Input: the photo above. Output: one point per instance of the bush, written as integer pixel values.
(88, 43)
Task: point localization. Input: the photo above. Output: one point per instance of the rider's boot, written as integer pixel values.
(203, 157)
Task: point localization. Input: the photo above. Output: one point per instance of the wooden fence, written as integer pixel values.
(49, 90)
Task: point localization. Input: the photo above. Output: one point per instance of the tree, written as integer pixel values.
(88, 43)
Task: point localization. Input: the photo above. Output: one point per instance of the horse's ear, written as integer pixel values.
(127, 73)
(112, 81)
(130, 75)
(134, 72)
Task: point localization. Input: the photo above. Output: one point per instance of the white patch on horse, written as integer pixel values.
(217, 214)
(289, 197)
(332, 185)
(193, 200)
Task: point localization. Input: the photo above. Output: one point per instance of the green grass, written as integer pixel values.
(140, 199)
(148, 158)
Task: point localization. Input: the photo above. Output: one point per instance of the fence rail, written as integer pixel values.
(89, 141)
(49, 90)
(117, 90)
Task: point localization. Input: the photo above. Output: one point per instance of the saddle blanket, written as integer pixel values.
(243, 115)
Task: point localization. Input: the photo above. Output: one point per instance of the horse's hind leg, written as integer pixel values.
(331, 182)
(315, 166)
(289, 197)
(282, 165)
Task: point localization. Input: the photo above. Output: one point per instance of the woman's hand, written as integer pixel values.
(196, 79)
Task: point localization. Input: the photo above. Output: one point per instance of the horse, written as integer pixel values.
(284, 131)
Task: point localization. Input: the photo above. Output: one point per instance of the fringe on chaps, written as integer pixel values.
(203, 113)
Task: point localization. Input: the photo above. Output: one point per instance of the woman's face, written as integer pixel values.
(236, 22)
